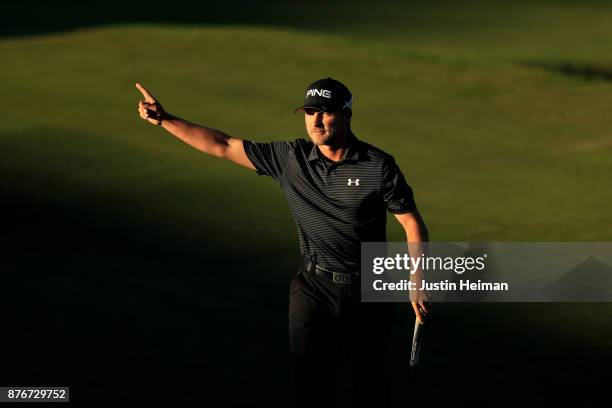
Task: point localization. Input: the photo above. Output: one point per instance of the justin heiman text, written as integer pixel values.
(445, 285)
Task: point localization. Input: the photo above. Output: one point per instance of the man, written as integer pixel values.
(338, 189)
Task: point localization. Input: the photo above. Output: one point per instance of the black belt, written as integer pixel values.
(343, 278)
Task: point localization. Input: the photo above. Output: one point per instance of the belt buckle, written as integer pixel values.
(338, 277)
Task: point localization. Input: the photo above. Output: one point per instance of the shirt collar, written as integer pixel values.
(353, 151)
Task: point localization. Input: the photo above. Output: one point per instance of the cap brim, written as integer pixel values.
(317, 107)
(301, 108)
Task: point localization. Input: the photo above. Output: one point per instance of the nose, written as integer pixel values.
(318, 119)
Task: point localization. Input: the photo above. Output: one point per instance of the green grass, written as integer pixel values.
(498, 144)
(495, 150)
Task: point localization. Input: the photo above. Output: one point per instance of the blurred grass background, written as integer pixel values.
(131, 258)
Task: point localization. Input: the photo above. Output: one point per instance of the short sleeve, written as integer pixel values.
(396, 193)
(268, 158)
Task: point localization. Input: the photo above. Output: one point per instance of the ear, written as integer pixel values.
(349, 114)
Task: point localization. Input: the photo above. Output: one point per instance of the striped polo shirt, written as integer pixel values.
(335, 205)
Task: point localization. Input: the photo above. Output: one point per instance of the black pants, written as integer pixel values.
(333, 335)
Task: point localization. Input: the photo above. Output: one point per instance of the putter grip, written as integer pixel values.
(415, 350)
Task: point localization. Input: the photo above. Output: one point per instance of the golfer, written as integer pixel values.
(339, 190)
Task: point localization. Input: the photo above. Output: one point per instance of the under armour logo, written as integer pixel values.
(353, 182)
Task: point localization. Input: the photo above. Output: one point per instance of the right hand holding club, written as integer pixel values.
(149, 109)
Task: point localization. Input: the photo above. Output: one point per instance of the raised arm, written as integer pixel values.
(205, 139)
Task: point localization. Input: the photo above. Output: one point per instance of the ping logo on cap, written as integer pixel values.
(319, 92)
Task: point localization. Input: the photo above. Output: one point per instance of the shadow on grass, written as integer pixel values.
(504, 355)
(589, 72)
(37, 17)
(28, 18)
(119, 310)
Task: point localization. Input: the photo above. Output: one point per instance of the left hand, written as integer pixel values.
(421, 310)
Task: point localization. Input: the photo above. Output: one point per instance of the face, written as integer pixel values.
(325, 128)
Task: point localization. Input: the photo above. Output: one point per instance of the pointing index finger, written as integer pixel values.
(148, 97)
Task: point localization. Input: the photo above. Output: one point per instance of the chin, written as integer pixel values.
(320, 139)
